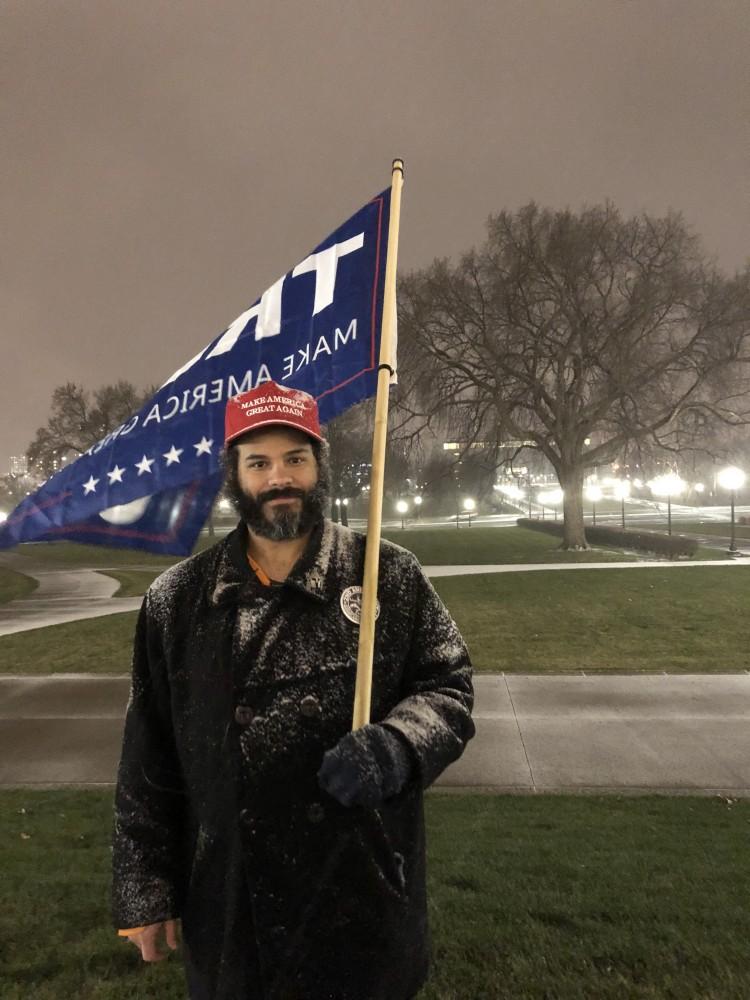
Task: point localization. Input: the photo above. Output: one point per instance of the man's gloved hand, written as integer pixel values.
(366, 766)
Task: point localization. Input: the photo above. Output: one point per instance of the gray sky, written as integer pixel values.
(163, 163)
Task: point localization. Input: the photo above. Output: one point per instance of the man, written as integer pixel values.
(290, 848)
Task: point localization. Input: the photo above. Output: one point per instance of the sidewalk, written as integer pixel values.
(535, 734)
(64, 596)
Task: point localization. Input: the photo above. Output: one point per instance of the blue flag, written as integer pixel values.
(150, 484)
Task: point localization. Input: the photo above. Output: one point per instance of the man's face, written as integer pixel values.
(276, 489)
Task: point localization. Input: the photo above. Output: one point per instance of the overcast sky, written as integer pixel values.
(163, 163)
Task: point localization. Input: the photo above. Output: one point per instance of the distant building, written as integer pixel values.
(19, 465)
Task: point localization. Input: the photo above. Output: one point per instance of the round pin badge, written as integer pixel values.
(351, 604)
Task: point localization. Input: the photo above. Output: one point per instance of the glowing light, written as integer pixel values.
(669, 485)
(551, 497)
(731, 478)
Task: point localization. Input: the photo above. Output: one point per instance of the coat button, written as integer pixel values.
(244, 715)
(315, 812)
(310, 706)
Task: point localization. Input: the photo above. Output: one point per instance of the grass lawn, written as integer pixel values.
(70, 555)
(676, 620)
(440, 546)
(483, 546)
(691, 620)
(550, 898)
(14, 585)
(431, 545)
(133, 582)
(92, 646)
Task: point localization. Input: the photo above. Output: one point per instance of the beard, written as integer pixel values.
(282, 523)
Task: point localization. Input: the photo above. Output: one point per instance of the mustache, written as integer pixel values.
(287, 493)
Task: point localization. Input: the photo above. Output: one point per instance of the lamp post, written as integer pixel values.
(593, 493)
(402, 507)
(529, 485)
(669, 485)
(469, 507)
(732, 479)
(622, 492)
(417, 504)
(345, 512)
(552, 498)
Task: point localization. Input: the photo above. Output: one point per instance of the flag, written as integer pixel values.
(151, 482)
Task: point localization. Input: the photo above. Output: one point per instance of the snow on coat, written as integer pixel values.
(237, 692)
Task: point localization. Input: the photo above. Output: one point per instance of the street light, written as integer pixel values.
(593, 493)
(732, 479)
(551, 498)
(469, 506)
(622, 492)
(669, 485)
(345, 512)
(402, 507)
(417, 504)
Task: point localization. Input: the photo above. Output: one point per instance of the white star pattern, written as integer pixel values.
(173, 455)
(203, 447)
(144, 465)
(115, 475)
(90, 486)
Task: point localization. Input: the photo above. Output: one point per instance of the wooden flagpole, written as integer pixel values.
(362, 692)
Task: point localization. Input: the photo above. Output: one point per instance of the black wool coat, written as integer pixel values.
(237, 692)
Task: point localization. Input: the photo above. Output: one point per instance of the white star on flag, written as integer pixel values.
(144, 465)
(203, 447)
(173, 455)
(115, 475)
(90, 486)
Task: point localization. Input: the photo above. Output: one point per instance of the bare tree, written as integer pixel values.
(14, 489)
(349, 440)
(581, 334)
(79, 419)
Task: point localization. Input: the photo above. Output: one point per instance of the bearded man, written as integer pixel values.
(289, 850)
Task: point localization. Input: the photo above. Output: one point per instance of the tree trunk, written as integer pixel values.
(571, 481)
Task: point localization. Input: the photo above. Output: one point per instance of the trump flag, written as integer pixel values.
(151, 482)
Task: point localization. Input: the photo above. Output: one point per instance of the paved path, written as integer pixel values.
(71, 595)
(64, 596)
(625, 734)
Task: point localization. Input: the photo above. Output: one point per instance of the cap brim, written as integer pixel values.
(273, 423)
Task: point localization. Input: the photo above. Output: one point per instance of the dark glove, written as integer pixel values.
(366, 766)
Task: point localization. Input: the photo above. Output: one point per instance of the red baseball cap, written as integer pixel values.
(270, 404)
